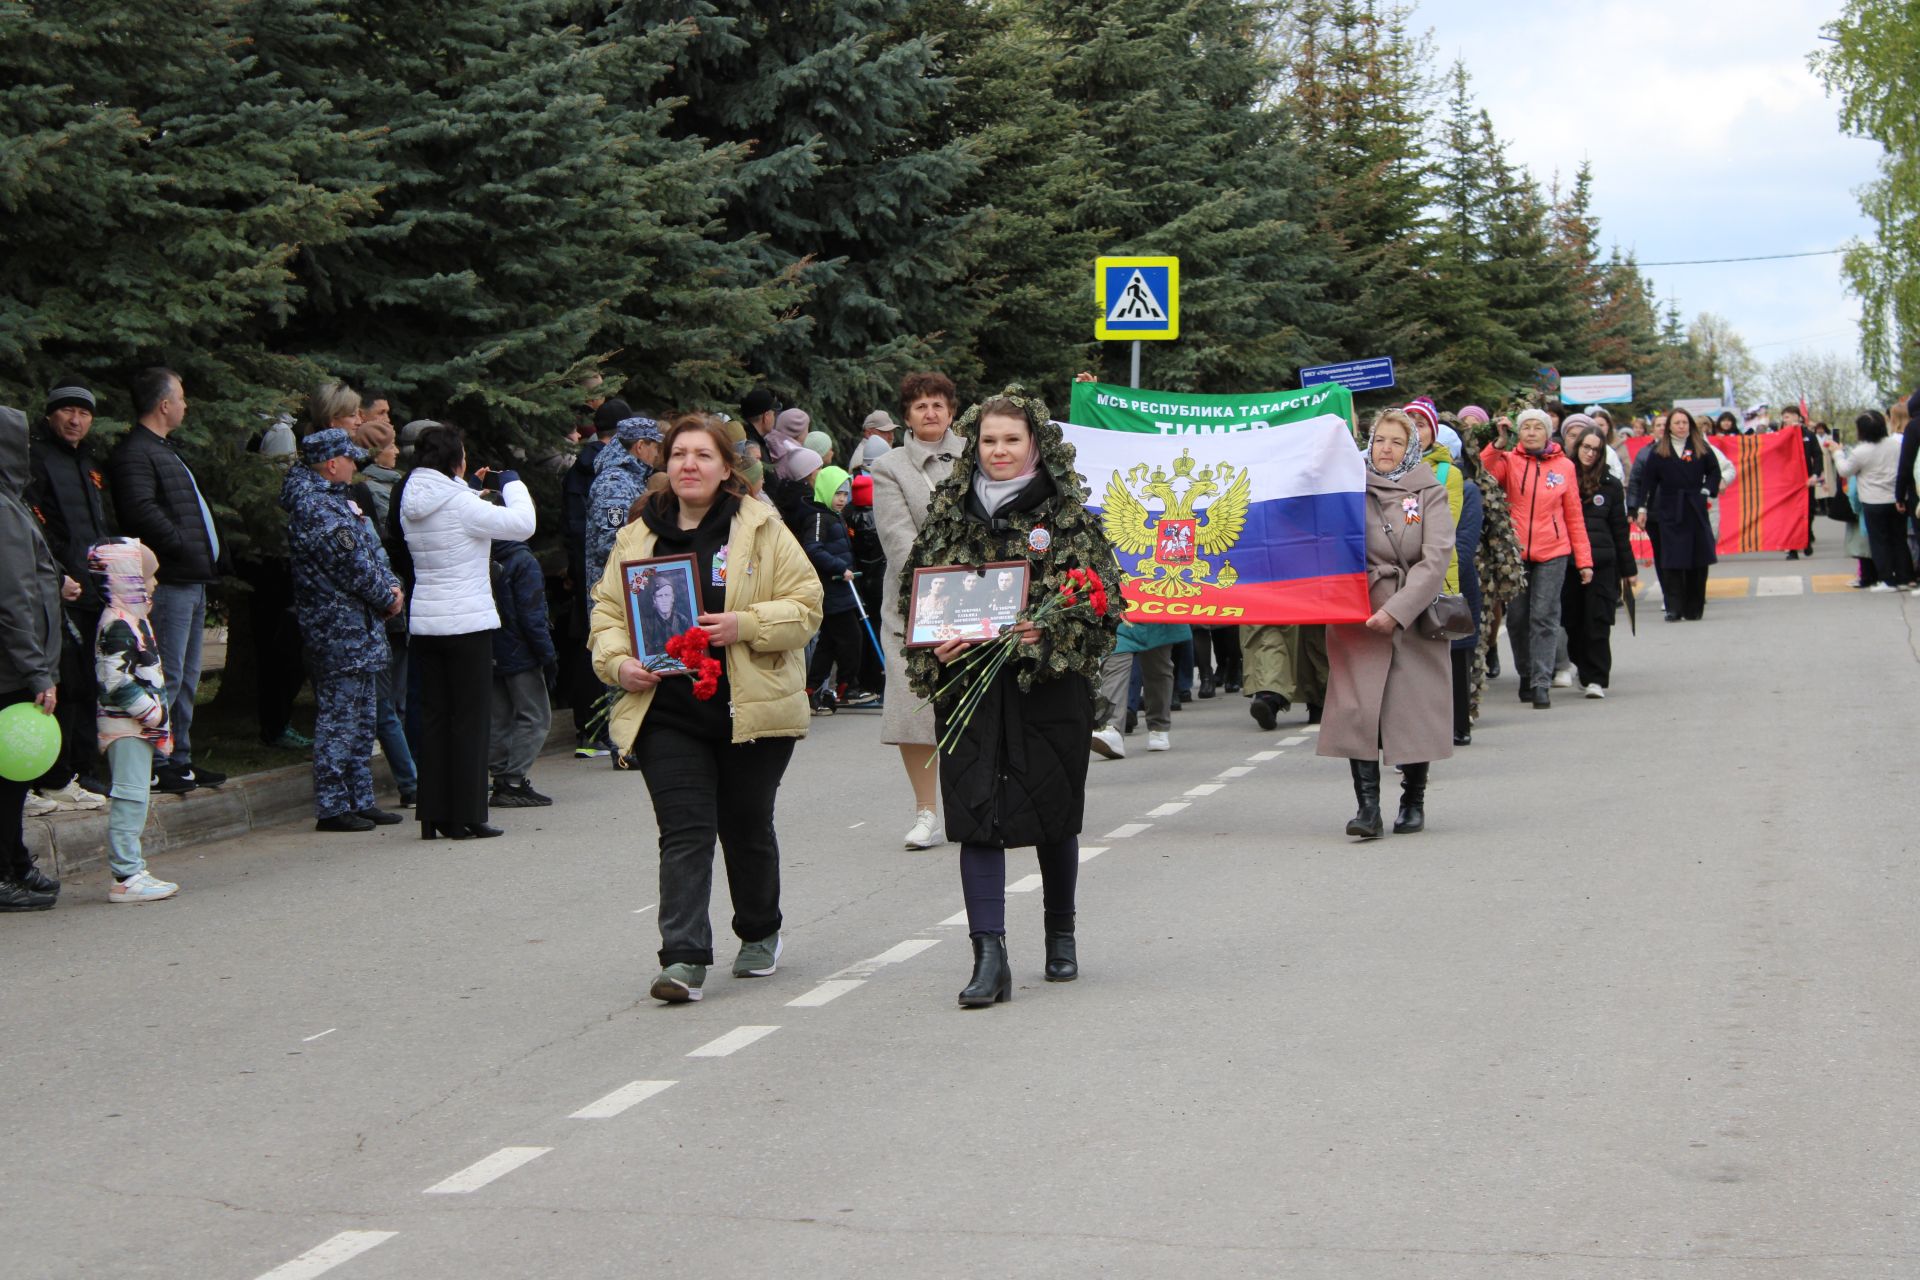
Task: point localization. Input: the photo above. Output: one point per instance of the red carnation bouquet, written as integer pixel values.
(689, 649)
(1083, 589)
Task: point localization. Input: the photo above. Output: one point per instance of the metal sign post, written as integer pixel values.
(1136, 364)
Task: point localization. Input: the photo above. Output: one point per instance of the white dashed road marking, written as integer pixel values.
(329, 1254)
(620, 1099)
(1025, 884)
(828, 991)
(732, 1042)
(1168, 809)
(1087, 854)
(1126, 829)
(1238, 771)
(1206, 788)
(481, 1172)
(1261, 757)
(960, 917)
(1294, 741)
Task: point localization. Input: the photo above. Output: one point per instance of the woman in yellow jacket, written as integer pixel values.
(713, 752)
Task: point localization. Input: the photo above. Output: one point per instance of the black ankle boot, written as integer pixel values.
(992, 981)
(1063, 965)
(1413, 801)
(1366, 789)
(38, 880)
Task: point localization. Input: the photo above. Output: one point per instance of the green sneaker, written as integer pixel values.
(758, 959)
(679, 983)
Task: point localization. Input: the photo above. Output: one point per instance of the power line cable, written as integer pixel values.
(1764, 257)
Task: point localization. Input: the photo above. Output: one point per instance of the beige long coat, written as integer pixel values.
(1392, 696)
(904, 479)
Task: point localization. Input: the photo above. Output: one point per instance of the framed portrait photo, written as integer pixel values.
(663, 600)
(960, 602)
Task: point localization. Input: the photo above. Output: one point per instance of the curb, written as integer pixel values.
(70, 843)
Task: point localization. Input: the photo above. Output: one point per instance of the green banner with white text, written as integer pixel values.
(1178, 413)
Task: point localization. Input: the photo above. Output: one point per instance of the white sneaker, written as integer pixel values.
(38, 806)
(1563, 678)
(1595, 691)
(141, 888)
(1882, 586)
(1108, 742)
(1159, 740)
(925, 831)
(73, 796)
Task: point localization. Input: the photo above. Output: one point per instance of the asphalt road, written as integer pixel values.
(1643, 1002)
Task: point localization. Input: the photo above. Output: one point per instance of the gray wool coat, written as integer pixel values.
(904, 479)
(1392, 696)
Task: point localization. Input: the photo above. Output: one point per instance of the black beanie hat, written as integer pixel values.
(758, 401)
(608, 417)
(70, 391)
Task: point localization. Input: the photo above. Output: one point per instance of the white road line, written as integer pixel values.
(732, 1042)
(310, 1039)
(1025, 884)
(826, 993)
(1261, 757)
(481, 1172)
(329, 1254)
(1795, 586)
(640, 911)
(1206, 788)
(1168, 809)
(1310, 728)
(627, 1095)
(900, 951)
(1294, 741)
(960, 917)
(1126, 829)
(1238, 771)
(1088, 852)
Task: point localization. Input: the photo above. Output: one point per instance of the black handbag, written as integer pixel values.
(1447, 618)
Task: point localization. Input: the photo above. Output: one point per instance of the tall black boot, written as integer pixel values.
(992, 981)
(1366, 789)
(1063, 965)
(1413, 800)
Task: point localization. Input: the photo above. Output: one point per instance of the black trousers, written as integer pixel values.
(1887, 537)
(1590, 642)
(456, 706)
(1686, 591)
(79, 694)
(1217, 650)
(704, 790)
(839, 645)
(1462, 690)
(983, 882)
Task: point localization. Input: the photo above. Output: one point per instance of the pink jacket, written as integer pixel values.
(1544, 496)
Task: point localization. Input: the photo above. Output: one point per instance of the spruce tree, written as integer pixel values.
(1198, 162)
(835, 193)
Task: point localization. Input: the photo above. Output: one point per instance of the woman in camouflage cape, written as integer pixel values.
(1503, 573)
(1015, 772)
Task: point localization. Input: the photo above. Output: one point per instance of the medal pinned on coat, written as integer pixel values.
(1410, 509)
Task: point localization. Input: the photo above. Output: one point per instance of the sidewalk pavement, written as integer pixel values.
(70, 843)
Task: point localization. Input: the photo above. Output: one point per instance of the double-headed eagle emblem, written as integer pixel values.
(1192, 522)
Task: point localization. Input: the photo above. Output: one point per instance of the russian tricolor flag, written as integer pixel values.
(1239, 527)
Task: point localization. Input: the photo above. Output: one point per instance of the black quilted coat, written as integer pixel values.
(1018, 775)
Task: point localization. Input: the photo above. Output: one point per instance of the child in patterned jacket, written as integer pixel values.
(132, 712)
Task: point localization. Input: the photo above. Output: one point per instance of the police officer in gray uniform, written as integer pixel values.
(342, 589)
(620, 475)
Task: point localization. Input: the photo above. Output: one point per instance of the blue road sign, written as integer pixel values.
(1354, 375)
(1139, 298)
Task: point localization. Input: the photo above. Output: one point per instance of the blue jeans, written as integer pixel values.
(179, 620)
(132, 761)
(392, 734)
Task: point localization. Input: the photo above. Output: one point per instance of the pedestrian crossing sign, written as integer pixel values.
(1139, 298)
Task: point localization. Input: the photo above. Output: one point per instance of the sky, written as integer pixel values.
(1709, 137)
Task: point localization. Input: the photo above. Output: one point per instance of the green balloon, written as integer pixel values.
(29, 741)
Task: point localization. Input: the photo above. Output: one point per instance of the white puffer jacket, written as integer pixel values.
(450, 531)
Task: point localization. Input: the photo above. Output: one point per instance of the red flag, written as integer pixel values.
(1765, 506)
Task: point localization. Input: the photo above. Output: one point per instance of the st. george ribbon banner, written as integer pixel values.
(1228, 509)
(1764, 507)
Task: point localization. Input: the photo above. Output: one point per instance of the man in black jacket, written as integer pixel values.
(67, 492)
(159, 502)
(583, 687)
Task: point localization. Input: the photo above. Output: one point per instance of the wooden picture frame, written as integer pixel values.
(649, 626)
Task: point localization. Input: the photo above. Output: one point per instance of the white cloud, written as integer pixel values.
(1708, 134)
